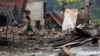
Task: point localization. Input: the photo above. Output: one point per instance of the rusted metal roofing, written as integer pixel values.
(17, 3)
(16, 6)
(57, 18)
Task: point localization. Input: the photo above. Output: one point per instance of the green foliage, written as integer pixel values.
(60, 2)
(96, 21)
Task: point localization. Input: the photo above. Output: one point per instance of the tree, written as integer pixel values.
(65, 2)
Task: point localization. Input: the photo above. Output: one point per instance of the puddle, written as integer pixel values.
(39, 53)
(86, 50)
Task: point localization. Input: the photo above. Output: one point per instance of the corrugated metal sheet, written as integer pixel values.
(17, 5)
(58, 18)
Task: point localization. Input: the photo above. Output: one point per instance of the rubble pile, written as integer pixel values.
(51, 37)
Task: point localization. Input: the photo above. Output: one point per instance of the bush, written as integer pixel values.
(96, 21)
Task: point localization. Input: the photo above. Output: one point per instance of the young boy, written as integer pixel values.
(28, 25)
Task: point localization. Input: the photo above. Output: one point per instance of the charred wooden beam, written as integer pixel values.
(58, 39)
(65, 41)
(78, 34)
(82, 33)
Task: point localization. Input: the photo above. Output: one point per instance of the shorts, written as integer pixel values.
(29, 28)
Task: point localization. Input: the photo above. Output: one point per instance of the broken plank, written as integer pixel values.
(60, 43)
(66, 52)
(57, 39)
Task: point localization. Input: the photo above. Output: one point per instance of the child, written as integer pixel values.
(28, 25)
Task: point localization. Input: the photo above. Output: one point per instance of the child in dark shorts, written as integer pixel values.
(29, 27)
